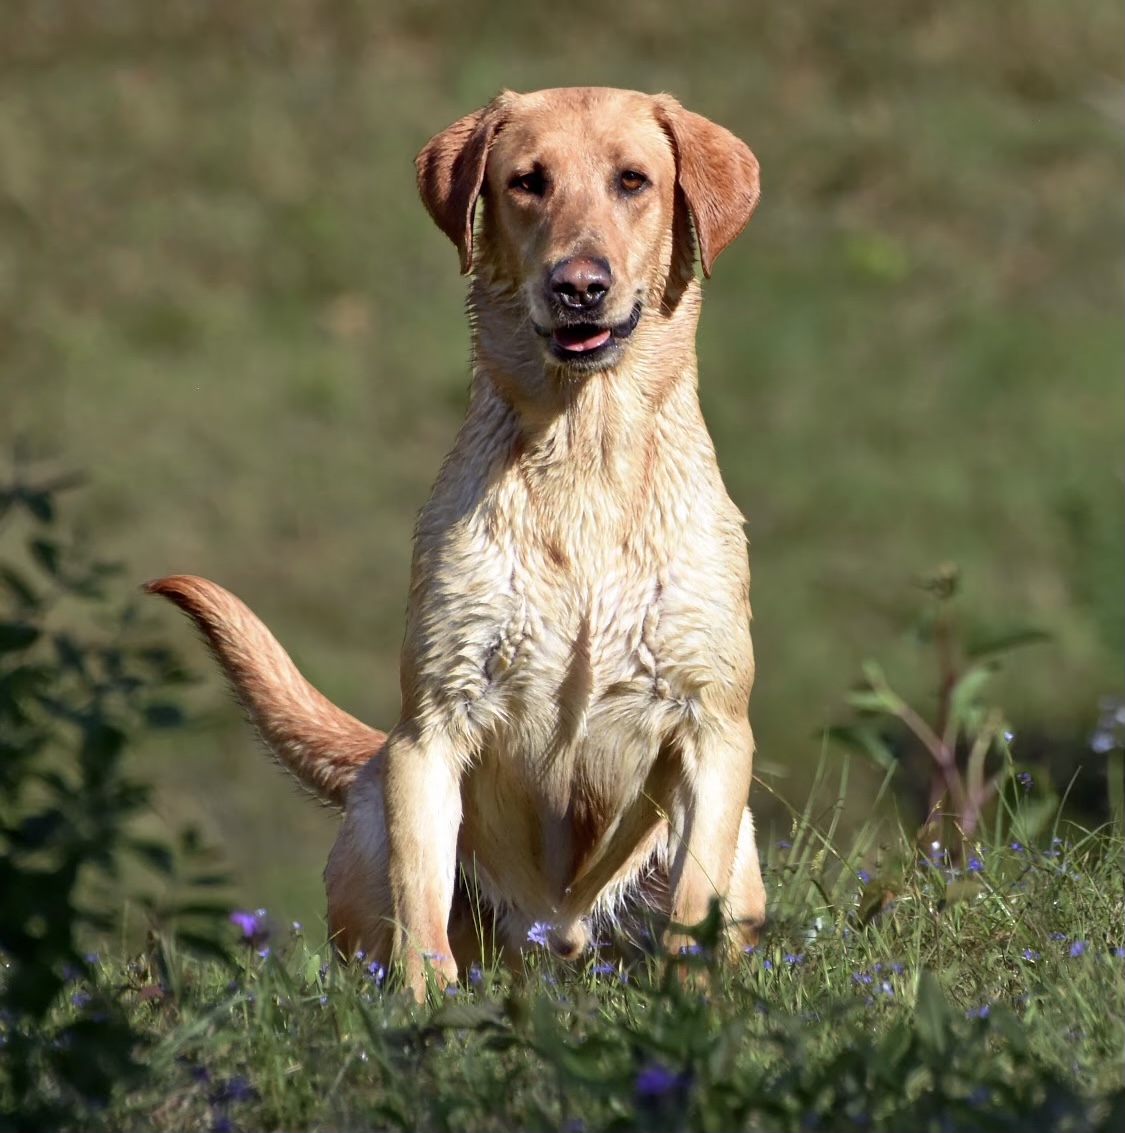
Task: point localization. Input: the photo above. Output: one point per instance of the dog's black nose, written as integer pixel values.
(580, 283)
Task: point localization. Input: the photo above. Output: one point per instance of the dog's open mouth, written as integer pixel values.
(587, 341)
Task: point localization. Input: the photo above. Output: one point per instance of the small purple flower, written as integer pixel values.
(296, 927)
(604, 969)
(793, 958)
(376, 971)
(654, 1080)
(886, 988)
(974, 865)
(537, 934)
(749, 949)
(863, 875)
(253, 926)
(784, 845)
(1018, 847)
(476, 976)
(264, 953)
(1058, 936)
(896, 967)
(862, 977)
(70, 973)
(1078, 947)
(690, 950)
(768, 965)
(980, 1012)
(1029, 955)
(80, 998)
(1024, 778)
(236, 1089)
(1119, 952)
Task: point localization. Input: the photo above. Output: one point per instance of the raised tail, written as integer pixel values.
(319, 744)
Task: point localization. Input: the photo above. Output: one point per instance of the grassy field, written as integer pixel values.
(221, 299)
(986, 998)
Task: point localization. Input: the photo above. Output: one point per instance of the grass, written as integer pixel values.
(979, 998)
(220, 296)
(975, 984)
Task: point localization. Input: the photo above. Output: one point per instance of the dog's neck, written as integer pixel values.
(588, 423)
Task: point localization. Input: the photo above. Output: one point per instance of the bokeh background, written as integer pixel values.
(221, 299)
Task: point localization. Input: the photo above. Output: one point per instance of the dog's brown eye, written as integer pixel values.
(631, 181)
(534, 183)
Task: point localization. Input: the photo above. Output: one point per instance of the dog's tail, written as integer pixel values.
(319, 744)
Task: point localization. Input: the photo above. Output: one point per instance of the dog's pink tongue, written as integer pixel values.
(581, 339)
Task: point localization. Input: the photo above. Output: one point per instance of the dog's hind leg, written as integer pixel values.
(746, 896)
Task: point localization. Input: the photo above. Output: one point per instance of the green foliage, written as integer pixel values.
(968, 741)
(75, 689)
(985, 1011)
(219, 290)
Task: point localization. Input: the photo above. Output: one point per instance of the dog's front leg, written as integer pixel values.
(422, 796)
(717, 764)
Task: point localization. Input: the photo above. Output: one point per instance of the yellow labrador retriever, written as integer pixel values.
(573, 749)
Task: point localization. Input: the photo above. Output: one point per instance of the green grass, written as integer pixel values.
(980, 999)
(220, 297)
(972, 986)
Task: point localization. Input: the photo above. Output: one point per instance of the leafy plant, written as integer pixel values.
(968, 740)
(75, 688)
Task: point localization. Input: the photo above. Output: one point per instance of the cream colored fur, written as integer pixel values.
(577, 661)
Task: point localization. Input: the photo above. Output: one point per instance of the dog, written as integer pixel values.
(573, 752)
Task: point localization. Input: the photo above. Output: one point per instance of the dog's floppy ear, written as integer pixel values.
(451, 172)
(717, 174)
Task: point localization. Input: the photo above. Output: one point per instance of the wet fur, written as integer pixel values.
(573, 746)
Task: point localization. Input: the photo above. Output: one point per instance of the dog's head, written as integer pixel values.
(587, 192)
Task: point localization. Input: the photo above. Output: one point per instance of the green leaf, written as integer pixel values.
(866, 740)
(17, 635)
(468, 1016)
(990, 643)
(46, 553)
(932, 1015)
(966, 691)
(963, 889)
(155, 855)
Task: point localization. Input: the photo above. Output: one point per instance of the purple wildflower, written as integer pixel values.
(768, 965)
(980, 1012)
(1078, 947)
(1024, 778)
(253, 926)
(80, 998)
(1017, 846)
(1058, 936)
(690, 950)
(236, 1089)
(604, 969)
(1029, 955)
(896, 967)
(654, 1080)
(376, 971)
(476, 976)
(863, 875)
(537, 934)
(886, 988)
(1119, 952)
(784, 845)
(862, 977)
(974, 865)
(793, 958)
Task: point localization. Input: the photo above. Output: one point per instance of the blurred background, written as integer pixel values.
(221, 299)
